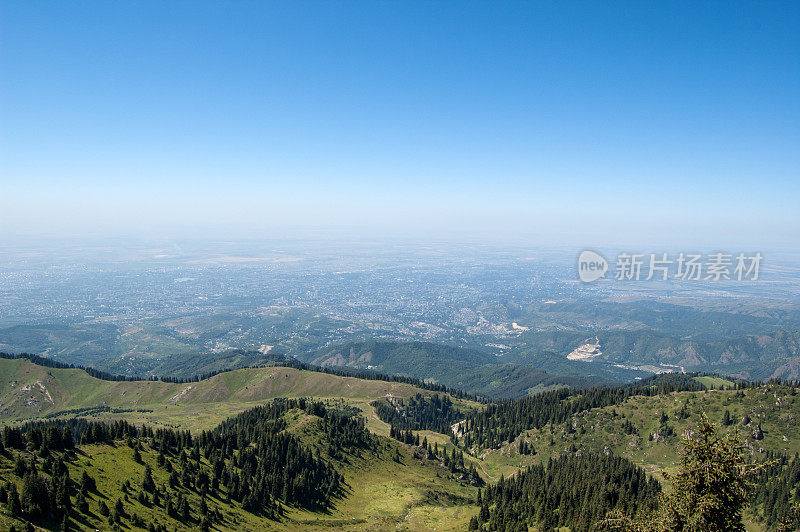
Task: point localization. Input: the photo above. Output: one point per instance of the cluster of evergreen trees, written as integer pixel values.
(249, 458)
(41, 497)
(502, 422)
(574, 490)
(777, 488)
(435, 413)
(453, 461)
(271, 464)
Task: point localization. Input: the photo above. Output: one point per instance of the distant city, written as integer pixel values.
(299, 297)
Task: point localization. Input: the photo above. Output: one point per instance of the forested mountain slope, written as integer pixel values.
(471, 370)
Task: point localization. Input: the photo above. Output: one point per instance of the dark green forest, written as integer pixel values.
(574, 490)
(249, 459)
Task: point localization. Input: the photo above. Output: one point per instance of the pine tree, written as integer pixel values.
(81, 504)
(710, 489)
(87, 483)
(147, 482)
(20, 467)
(14, 504)
(712, 485)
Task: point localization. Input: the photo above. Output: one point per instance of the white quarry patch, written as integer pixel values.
(587, 351)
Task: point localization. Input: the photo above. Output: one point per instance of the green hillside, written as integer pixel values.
(28, 390)
(645, 424)
(648, 431)
(383, 486)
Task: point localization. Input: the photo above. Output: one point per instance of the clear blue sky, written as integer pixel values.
(561, 121)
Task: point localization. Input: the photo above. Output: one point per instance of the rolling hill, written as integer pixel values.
(29, 390)
(139, 479)
(471, 370)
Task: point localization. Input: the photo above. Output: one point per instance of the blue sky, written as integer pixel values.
(587, 122)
